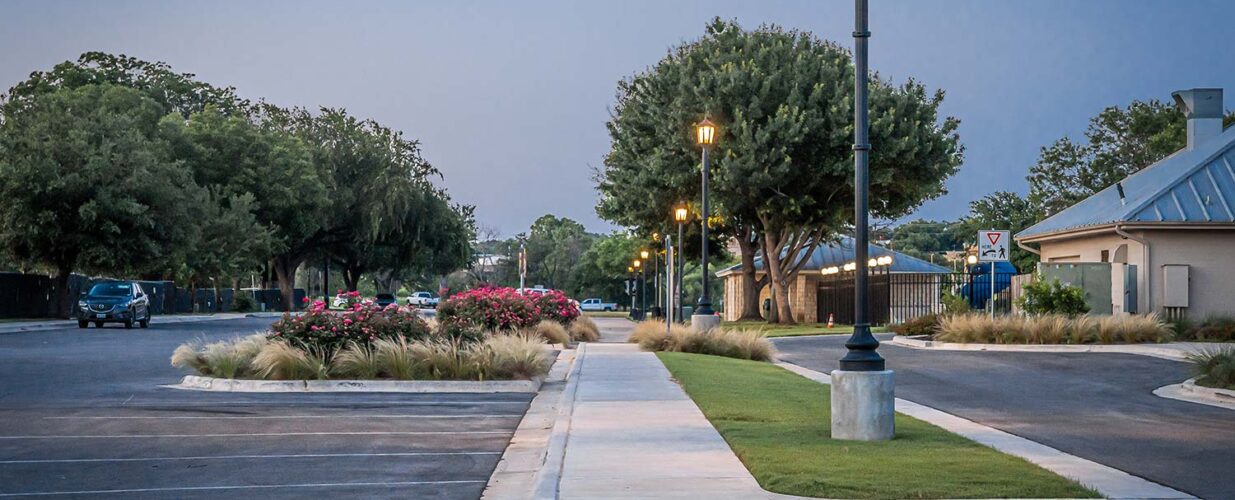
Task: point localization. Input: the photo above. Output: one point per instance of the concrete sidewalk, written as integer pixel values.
(633, 433)
(27, 326)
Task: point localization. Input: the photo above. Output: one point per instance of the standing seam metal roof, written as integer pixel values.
(1190, 186)
(840, 252)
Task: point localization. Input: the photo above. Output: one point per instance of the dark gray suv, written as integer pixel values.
(114, 302)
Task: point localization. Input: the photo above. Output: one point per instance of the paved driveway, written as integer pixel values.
(81, 415)
(1096, 406)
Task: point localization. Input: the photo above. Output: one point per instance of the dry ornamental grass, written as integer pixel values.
(741, 344)
(1053, 329)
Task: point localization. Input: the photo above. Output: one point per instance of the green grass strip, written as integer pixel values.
(778, 424)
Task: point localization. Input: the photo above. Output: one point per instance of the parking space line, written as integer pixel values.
(251, 457)
(316, 404)
(256, 434)
(238, 487)
(262, 417)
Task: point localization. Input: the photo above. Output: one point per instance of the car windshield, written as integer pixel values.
(110, 290)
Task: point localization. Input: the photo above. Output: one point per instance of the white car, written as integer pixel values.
(423, 300)
(597, 305)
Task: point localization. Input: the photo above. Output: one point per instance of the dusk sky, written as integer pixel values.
(510, 97)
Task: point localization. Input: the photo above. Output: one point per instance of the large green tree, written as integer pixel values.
(783, 164)
(86, 183)
(1118, 142)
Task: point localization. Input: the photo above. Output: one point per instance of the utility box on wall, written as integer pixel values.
(1175, 280)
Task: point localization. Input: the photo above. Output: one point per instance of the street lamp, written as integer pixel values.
(680, 214)
(656, 310)
(642, 293)
(630, 289)
(704, 318)
(862, 390)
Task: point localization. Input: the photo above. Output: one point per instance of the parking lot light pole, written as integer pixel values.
(704, 318)
(862, 390)
(639, 289)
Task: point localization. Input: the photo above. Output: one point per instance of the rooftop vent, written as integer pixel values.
(1203, 108)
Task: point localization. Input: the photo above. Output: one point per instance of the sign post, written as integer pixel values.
(992, 248)
(522, 266)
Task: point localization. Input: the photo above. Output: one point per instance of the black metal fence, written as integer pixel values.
(34, 296)
(899, 297)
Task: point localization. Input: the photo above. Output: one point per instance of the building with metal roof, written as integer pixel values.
(1168, 231)
(824, 261)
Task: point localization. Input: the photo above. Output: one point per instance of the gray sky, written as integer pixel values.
(510, 97)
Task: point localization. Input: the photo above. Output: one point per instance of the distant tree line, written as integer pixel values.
(1118, 142)
(114, 165)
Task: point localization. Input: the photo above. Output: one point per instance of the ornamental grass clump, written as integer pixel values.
(1214, 368)
(279, 360)
(551, 331)
(223, 359)
(583, 329)
(731, 343)
(1053, 329)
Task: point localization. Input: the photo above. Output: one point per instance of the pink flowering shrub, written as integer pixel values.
(555, 306)
(487, 309)
(363, 322)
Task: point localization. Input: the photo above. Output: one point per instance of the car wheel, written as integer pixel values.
(128, 323)
(98, 324)
(145, 322)
(608, 309)
(83, 324)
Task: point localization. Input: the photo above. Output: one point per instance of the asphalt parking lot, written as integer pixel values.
(82, 415)
(1096, 406)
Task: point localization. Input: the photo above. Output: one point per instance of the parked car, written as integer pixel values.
(597, 305)
(384, 300)
(424, 300)
(114, 302)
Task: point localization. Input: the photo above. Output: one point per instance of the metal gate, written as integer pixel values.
(899, 297)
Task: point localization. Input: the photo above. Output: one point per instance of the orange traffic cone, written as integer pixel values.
(830, 320)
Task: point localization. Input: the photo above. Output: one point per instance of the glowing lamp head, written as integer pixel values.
(630, 269)
(643, 254)
(872, 262)
(885, 260)
(972, 259)
(705, 133)
(680, 214)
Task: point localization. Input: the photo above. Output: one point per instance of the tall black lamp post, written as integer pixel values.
(639, 289)
(861, 355)
(679, 214)
(863, 392)
(705, 137)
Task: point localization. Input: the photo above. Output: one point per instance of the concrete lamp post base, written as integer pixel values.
(863, 405)
(704, 322)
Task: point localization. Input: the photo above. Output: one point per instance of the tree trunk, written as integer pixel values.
(772, 266)
(218, 295)
(62, 307)
(351, 277)
(750, 285)
(285, 272)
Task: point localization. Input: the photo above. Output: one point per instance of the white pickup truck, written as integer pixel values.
(423, 300)
(597, 305)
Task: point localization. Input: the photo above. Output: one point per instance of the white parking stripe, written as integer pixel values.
(259, 434)
(258, 417)
(243, 487)
(251, 457)
(361, 405)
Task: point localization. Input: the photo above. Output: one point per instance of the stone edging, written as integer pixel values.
(1110, 482)
(1140, 349)
(1192, 393)
(199, 383)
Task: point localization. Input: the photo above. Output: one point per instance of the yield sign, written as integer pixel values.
(993, 246)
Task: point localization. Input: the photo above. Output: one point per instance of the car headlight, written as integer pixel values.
(81, 304)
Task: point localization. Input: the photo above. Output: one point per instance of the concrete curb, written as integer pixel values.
(1108, 481)
(1173, 352)
(1192, 393)
(516, 474)
(198, 383)
(164, 319)
(548, 477)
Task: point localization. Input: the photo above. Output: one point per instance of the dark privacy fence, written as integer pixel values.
(34, 296)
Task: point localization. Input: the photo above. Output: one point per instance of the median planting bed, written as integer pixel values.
(778, 425)
(742, 344)
(482, 334)
(1040, 329)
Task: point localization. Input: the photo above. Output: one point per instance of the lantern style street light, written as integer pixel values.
(680, 214)
(704, 318)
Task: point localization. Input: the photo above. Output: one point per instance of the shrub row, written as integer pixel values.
(363, 323)
(741, 344)
(498, 357)
(1211, 329)
(1214, 368)
(1053, 329)
(500, 309)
